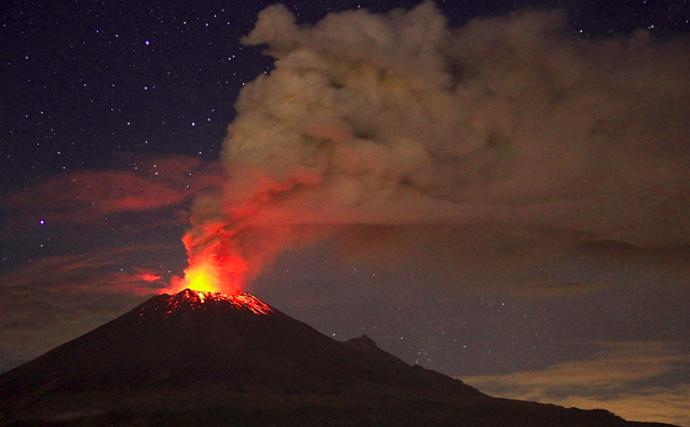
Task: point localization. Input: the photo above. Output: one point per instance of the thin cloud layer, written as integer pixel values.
(640, 381)
(85, 196)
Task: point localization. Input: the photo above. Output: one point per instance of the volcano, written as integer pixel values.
(204, 358)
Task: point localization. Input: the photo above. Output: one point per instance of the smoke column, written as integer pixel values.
(398, 120)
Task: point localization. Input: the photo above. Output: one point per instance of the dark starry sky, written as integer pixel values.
(124, 85)
(91, 83)
(99, 85)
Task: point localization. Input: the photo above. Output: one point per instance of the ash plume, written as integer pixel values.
(397, 120)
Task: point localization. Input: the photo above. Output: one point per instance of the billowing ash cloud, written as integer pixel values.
(399, 120)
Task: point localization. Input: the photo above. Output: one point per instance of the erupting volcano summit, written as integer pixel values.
(196, 300)
(206, 358)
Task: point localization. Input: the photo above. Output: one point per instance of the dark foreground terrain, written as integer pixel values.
(207, 359)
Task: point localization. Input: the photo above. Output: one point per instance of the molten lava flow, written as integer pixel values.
(201, 300)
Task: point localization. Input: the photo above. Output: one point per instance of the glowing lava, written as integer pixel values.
(203, 277)
(201, 300)
(215, 263)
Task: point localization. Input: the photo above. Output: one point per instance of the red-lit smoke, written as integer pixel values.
(399, 121)
(223, 257)
(215, 264)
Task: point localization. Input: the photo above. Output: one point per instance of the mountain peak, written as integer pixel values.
(363, 341)
(208, 358)
(190, 299)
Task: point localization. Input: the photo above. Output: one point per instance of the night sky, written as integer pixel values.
(112, 119)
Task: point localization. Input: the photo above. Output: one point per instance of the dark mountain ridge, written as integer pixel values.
(198, 358)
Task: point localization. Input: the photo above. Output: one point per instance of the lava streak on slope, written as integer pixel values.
(189, 299)
(200, 299)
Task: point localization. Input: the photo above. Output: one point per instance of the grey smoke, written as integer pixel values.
(398, 120)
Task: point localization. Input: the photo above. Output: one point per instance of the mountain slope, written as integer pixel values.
(203, 358)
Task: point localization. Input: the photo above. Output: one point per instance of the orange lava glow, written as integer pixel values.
(214, 264)
(200, 299)
(202, 277)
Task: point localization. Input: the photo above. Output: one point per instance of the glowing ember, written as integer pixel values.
(200, 300)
